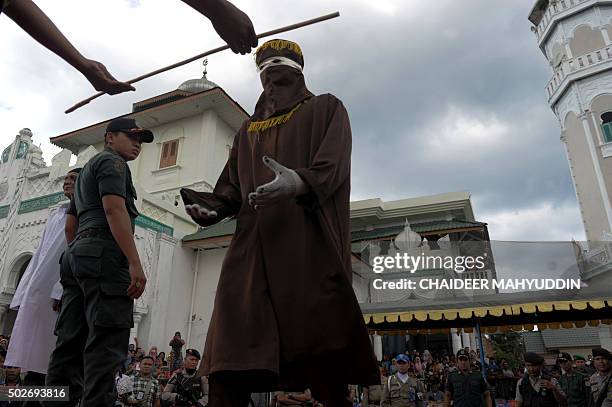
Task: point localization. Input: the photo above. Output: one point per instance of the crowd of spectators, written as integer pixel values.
(155, 365)
(430, 369)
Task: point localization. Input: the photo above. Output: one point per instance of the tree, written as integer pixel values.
(508, 346)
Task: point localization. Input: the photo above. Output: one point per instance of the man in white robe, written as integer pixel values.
(32, 339)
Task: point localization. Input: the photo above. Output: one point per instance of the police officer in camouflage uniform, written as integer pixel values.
(186, 388)
(466, 388)
(402, 389)
(100, 272)
(601, 387)
(573, 383)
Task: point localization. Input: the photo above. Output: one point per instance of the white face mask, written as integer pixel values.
(275, 61)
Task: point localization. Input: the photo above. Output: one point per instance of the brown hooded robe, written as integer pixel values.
(284, 302)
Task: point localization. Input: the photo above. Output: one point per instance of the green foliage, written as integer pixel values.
(508, 346)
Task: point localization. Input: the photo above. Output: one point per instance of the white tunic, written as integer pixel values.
(32, 339)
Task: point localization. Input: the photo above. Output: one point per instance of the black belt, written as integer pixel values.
(95, 232)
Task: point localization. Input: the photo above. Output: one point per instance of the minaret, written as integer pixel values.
(575, 37)
(16, 160)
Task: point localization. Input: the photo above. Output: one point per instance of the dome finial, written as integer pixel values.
(200, 84)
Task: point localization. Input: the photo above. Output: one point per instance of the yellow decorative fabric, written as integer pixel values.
(465, 313)
(562, 306)
(420, 316)
(450, 315)
(480, 312)
(582, 305)
(279, 45)
(597, 304)
(435, 315)
(272, 121)
(497, 311)
(545, 307)
(379, 318)
(528, 308)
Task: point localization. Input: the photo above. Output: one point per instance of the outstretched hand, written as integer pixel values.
(199, 212)
(234, 27)
(99, 77)
(286, 184)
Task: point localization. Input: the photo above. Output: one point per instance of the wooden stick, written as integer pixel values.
(207, 53)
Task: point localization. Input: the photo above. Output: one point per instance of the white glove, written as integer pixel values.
(286, 184)
(199, 212)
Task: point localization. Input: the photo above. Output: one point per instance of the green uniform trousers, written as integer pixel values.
(93, 326)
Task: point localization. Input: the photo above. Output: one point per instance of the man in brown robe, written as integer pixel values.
(285, 313)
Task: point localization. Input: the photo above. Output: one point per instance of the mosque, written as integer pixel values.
(194, 126)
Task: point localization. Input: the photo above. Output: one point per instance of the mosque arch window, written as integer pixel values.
(586, 39)
(169, 153)
(606, 127)
(6, 154)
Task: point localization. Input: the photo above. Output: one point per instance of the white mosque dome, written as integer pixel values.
(198, 85)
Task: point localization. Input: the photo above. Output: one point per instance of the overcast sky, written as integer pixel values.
(444, 95)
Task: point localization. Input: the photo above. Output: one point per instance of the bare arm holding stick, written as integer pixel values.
(32, 20)
(232, 25)
(207, 53)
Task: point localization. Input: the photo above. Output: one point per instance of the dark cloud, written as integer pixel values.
(443, 96)
(401, 76)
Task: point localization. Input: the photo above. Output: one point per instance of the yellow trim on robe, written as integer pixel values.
(272, 121)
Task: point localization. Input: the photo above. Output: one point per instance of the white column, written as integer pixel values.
(377, 344)
(465, 340)
(162, 302)
(134, 331)
(602, 24)
(571, 168)
(568, 50)
(473, 344)
(605, 35)
(597, 167)
(456, 340)
(193, 294)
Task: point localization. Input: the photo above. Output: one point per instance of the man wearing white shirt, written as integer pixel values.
(32, 339)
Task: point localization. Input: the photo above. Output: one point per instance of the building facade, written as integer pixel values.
(436, 224)
(575, 36)
(194, 127)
